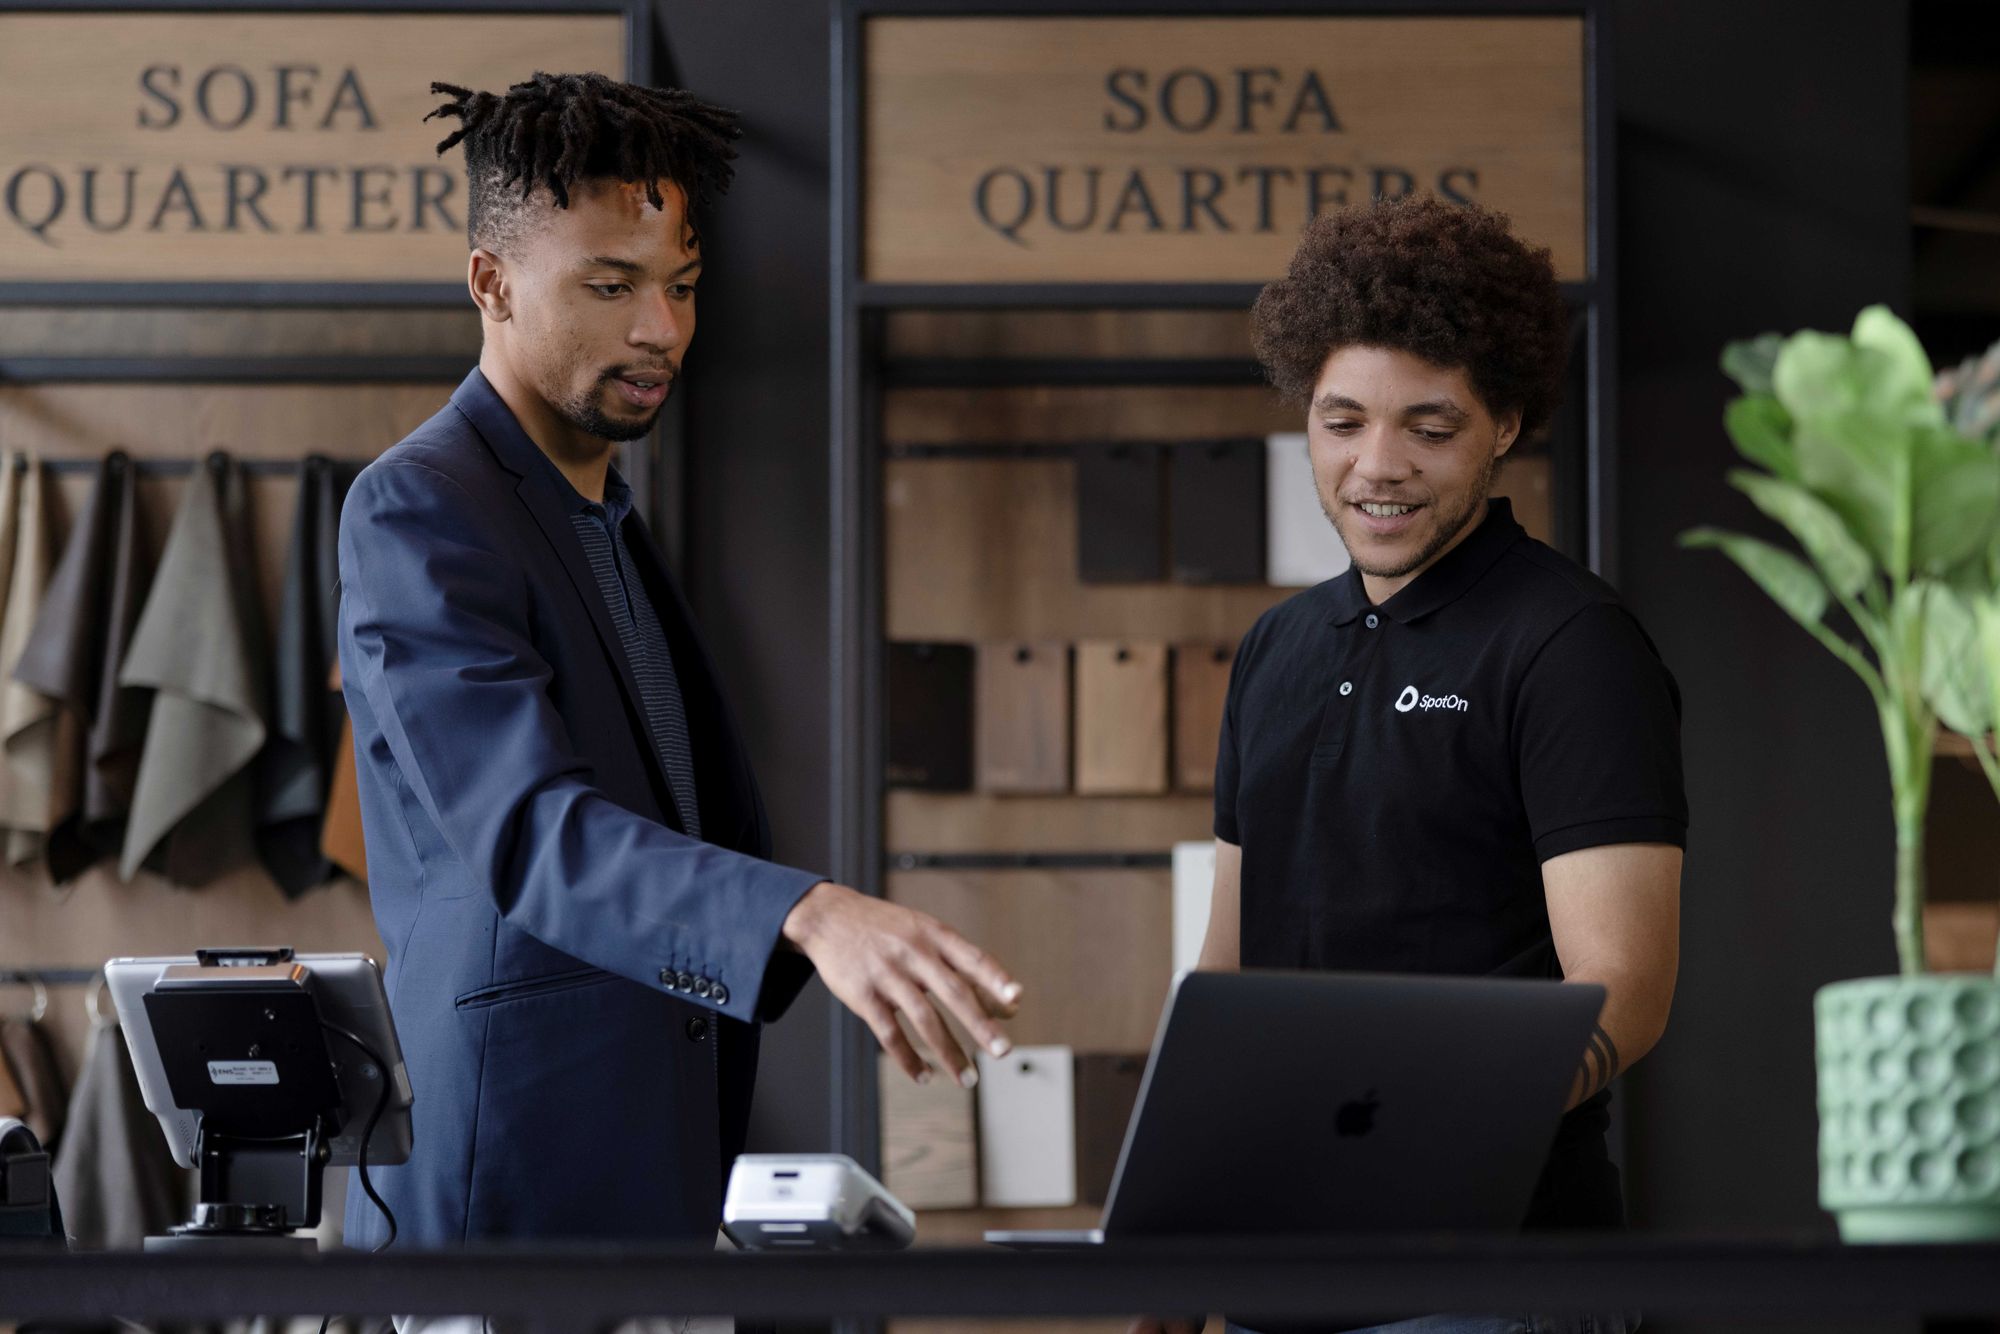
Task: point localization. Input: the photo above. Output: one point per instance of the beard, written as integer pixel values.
(582, 412)
(1448, 526)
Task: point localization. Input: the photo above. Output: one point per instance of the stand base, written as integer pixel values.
(250, 1243)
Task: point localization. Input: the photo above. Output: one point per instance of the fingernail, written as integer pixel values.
(970, 1079)
(924, 1077)
(1011, 992)
(999, 1046)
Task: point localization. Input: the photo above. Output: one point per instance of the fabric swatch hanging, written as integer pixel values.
(30, 1054)
(200, 646)
(38, 739)
(115, 1176)
(13, 1102)
(294, 772)
(342, 840)
(88, 614)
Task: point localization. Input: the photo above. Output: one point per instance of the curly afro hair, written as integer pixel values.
(1449, 283)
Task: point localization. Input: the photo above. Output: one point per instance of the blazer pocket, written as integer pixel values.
(525, 988)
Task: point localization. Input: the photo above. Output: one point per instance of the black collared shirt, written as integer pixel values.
(1396, 775)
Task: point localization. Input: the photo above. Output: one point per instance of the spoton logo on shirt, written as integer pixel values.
(1412, 698)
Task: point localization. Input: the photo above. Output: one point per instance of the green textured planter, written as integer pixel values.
(1909, 1107)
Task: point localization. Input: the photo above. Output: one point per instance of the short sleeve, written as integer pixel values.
(1228, 764)
(1227, 771)
(1597, 736)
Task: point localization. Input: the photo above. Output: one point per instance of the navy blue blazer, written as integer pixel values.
(576, 982)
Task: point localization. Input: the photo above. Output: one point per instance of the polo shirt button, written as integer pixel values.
(1373, 620)
(1347, 687)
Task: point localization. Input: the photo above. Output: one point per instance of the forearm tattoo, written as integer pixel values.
(1600, 1062)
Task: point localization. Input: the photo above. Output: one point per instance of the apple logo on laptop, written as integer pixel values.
(1358, 1117)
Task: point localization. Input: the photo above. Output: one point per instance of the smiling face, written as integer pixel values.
(592, 308)
(1403, 457)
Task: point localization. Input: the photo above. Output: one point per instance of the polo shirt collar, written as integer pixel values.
(617, 496)
(1444, 582)
(485, 409)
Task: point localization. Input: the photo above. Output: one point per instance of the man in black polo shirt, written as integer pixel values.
(1463, 755)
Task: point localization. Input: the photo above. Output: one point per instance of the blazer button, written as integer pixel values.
(701, 987)
(684, 982)
(719, 994)
(666, 977)
(697, 1030)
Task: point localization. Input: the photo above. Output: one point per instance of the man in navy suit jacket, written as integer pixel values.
(567, 852)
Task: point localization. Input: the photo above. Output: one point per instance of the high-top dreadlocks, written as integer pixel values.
(556, 129)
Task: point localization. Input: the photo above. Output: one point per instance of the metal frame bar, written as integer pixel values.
(180, 467)
(1097, 296)
(333, 369)
(1031, 861)
(640, 58)
(1047, 449)
(1008, 372)
(70, 975)
(1600, 241)
(859, 373)
(1282, 1277)
(853, 594)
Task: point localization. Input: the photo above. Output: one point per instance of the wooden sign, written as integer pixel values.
(1014, 150)
(147, 147)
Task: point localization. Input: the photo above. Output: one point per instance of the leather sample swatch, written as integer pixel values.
(929, 704)
(1027, 1128)
(1107, 1088)
(307, 715)
(1302, 547)
(30, 1054)
(38, 738)
(1216, 511)
(930, 1156)
(1201, 686)
(1121, 717)
(200, 646)
(114, 1173)
(88, 615)
(1194, 890)
(1023, 711)
(13, 1102)
(341, 840)
(1120, 513)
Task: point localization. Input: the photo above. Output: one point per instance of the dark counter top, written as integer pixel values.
(1293, 1276)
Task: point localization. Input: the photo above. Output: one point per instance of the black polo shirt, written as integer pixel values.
(1397, 774)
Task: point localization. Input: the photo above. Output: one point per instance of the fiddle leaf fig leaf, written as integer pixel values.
(1842, 560)
(1786, 579)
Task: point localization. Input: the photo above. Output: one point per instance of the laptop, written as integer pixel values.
(1278, 1102)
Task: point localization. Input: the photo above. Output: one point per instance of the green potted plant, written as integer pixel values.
(1896, 516)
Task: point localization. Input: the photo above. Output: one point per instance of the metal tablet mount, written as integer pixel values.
(240, 1037)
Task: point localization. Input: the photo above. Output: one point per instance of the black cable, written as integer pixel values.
(368, 1133)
